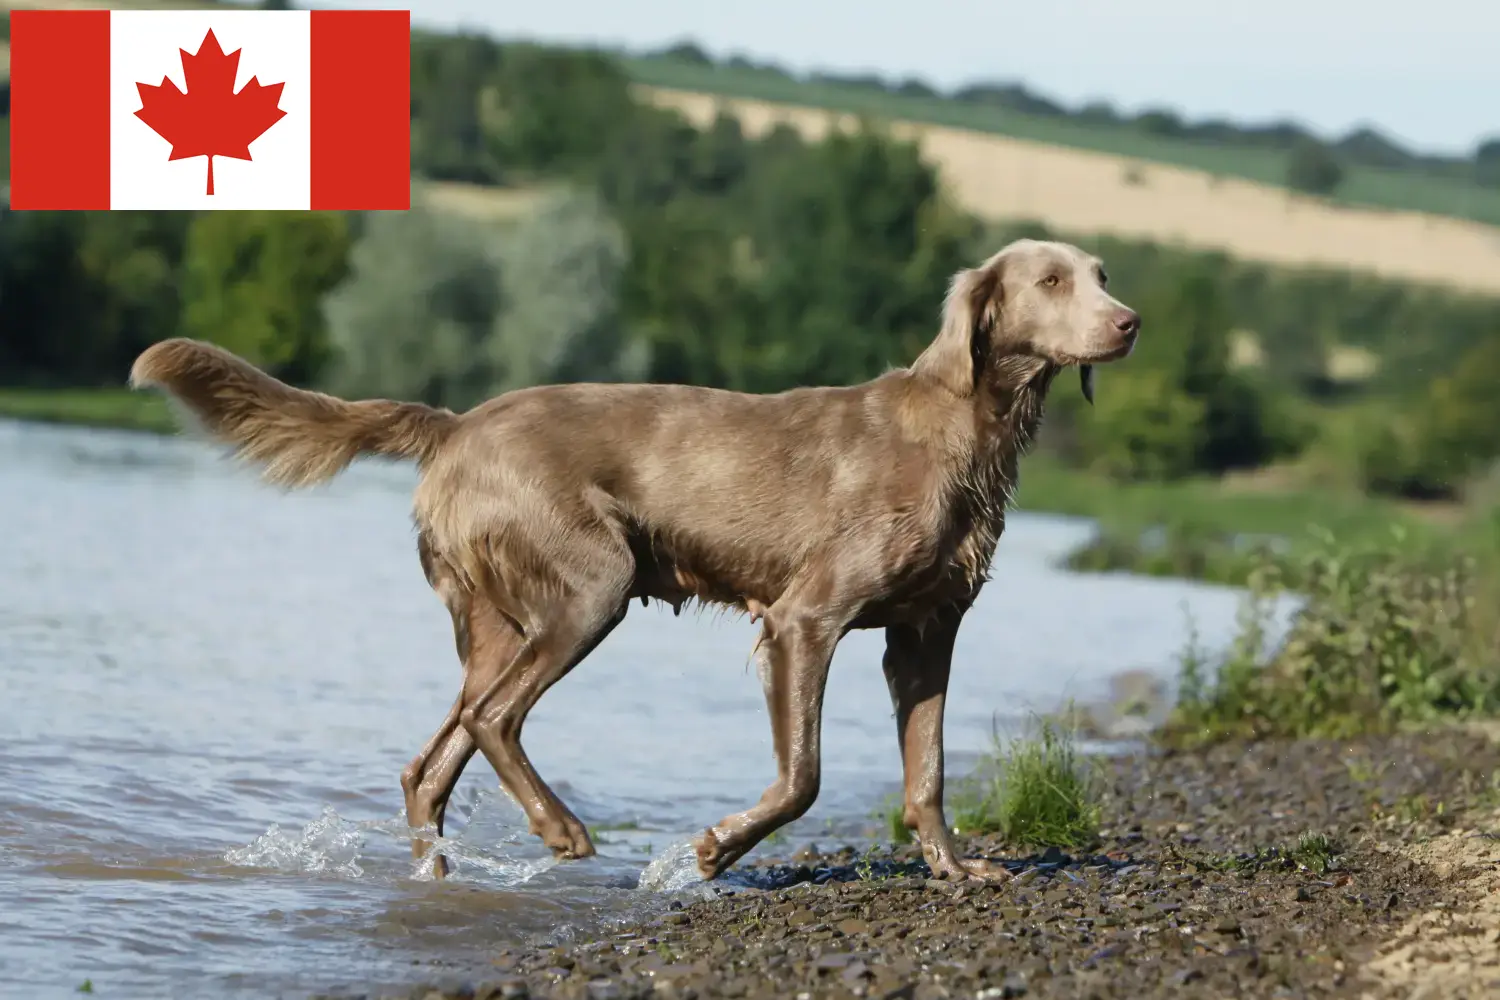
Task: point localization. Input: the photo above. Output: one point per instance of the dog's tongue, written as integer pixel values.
(1086, 380)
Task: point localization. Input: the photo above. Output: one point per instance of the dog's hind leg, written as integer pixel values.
(429, 779)
(567, 621)
(493, 650)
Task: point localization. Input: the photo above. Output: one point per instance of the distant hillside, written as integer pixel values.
(1082, 191)
(1378, 171)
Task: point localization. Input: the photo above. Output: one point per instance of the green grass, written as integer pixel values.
(122, 408)
(893, 815)
(1313, 852)
(1034, 791)
(1389, 189)
(1316, 852)
(1203, 506)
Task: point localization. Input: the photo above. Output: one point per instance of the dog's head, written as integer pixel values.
(1032, 299)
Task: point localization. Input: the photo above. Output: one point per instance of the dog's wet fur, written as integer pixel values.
(542, 513)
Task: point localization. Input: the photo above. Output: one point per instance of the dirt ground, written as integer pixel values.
(1206, 884)
(1081, 191)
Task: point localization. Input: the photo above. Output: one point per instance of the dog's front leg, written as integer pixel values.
(793, 654)
(916, 666)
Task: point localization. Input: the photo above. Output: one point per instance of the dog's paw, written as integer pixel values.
(710, 854)
(971, 870)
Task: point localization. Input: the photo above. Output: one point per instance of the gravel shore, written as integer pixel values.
(1306, 869)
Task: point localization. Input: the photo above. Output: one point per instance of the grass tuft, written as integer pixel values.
(1034, 792)
(894, 815)
(1315, 852)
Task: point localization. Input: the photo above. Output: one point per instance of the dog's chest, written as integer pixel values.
(958, 565)
(949, 573)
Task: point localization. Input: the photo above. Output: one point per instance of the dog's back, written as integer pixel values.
(722, 496)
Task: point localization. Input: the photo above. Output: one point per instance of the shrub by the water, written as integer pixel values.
(1386, 637)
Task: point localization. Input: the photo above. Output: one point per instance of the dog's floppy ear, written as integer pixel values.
(957, 356)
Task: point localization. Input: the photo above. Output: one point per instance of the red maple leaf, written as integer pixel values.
(210, 119)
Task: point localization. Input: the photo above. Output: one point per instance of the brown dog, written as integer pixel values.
(543, 512)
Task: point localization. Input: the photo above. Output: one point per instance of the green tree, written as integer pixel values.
(1312, 168)
(762, 265)
(83, 292)
(557, 110)
(560, 271)
(1186, 322)
(452, 86)
(690, 294)
(450, 311)
(1459, 422)
(1487, 163)
(253, 282)
(411, 319)
(1429, 446)
(855, 246)
(1143, 427)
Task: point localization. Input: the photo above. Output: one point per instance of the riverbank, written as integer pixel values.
(120, 409)
(1303, 869)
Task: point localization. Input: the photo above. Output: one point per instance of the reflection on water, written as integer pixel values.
(208, 689)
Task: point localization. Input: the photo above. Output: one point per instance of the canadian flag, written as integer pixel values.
(168, 109)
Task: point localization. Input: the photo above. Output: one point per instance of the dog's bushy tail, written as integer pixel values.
(298, 437)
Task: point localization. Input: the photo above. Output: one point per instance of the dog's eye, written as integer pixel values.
(1051, 281)
(1103, 280)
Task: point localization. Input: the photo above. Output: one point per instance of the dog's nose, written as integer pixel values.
(1128, 322)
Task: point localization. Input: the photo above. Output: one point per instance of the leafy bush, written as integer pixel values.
(1382, 640)
(1142, 427)
(410, 321)
(1430, 447)
(1312, 168)
(560, 268)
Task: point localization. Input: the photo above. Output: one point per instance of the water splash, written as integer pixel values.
(495, 843)
(499, 870)
(329, 843)
(673, 870)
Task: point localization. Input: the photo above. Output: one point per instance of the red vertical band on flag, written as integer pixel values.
(361, 109)
(59, 109)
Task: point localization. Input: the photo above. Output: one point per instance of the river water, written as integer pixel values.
(208, 689)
